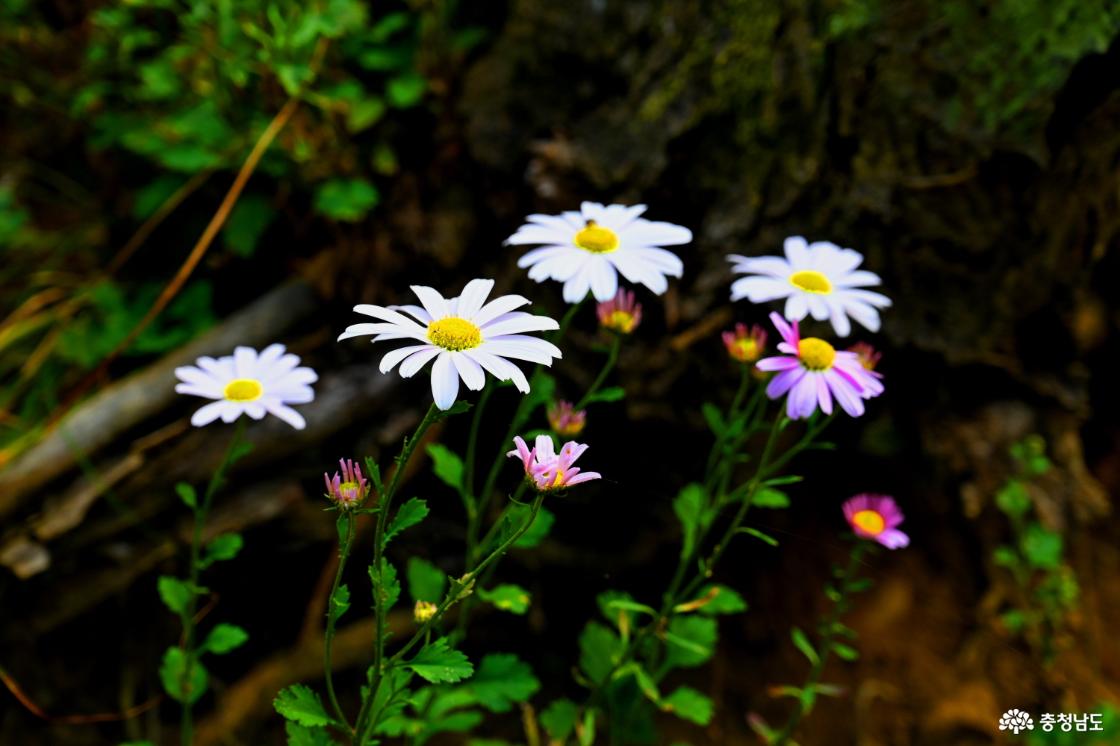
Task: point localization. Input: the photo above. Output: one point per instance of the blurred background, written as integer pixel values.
(180, 176)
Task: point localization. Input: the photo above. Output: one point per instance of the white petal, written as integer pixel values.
(421, 315)
(797, 307)
(661, 259)
(474, 295)
(537, 234)
(222, 368)
(255, 410)
(604, 279)
(469, 370)
(391, 359)
(208, 413)
(232, 411)
(418, 360)
(817, 306)
(644, 232)
(433, 302)
(797, 251)
(519, 324)
(245, 362)
(498, 307)
(760, 289)
(287, 414)
(859, 278)
(575, 289)
(207, 392)
(523, 348)
(500, 368)
(774, 266)
(445, 381)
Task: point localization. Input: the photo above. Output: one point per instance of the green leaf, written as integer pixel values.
(724, 601)
(765, 538)
(689, 704)
(187, 494)
(176, 594)
(714, 417)
(768, 497)
(689, 508)
(224, 638)
(598, 649)
(426, 582)
(406, 90)
(609, 394)
(1015, 620)
(301, 735)
(624, 605)
(340, 602)
(246, 223)
(559, 719)
(507, 597)
(301, 704)
(387, 585)
(845, 652)
(692, 640)
(1013, 499)
(501, 680)
(346, 200)
(446, 465)
(222, 548)
(1042, 547)
(537, 532)
(408, 515)
(801, 642)
(172, 673)
(440, 664)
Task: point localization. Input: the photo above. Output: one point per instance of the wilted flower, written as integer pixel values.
(876, 517)
(587, 250)
(813, 372)
(745, 344)
(565, 421)
(465, 335)
(248, 382)
(349, 488)
(621, 313)
(818, 278)
(423, 611)
(547, 470)
(868, 355)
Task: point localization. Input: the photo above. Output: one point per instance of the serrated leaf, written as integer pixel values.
(340, 602)
(224, 638)
(438, 663)
(426, 582)
(176, 594)
(801, 642)
(768, 497)
(598, 649)
(689, 704)
(724, 600)
(302, 705)
(408, 515)
(301, 735)
(559, 719)
(503, 679)
(691, 640)
(222, 548)
(172, 672)
(507, 597)
(387, 585)
(609, 394)
(446, 465)
(187, 494)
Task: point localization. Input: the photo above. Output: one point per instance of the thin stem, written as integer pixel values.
(608, 366)
(328, 635)
(187, 616)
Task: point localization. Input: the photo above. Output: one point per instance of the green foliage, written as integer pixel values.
(426, 582)
(439, 663)
(768, 497)
(691, 641)
(801, 642)
(537, 532)
(608, 394)
(386, 584)
(559, 719)
(446, 465)
(690, 507)
(1041, 547)
(340, 602)
(250, 217)
(502, 680)
(689, 704)
(408, 515)
(302, 705)
(507, 597)
(302, 735)
(724, 600)
(174, 593)
(187, 494)
(346, 200)
(222, 548)
(598, 650)
(224, 638)
(172, 672)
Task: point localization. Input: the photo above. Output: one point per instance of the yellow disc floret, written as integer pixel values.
(454, 333)
(243, 389)
(596, 239)
(816, 354)
(870, 521)
(811, 281)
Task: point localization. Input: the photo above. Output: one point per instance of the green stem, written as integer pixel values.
(187, 616)
(328, 635)
(612, 358)
(828, 632)
(407, 449)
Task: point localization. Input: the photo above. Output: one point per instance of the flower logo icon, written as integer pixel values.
(1016, 720)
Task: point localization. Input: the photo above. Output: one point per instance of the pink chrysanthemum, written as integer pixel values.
(348, 489)
(745, 344)
(547, 470)
(621, 313)
(876, 517)
(813, 372)
(565, 420)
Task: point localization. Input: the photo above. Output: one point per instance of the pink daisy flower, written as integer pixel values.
(565, 420)
(813, 372)
(548, 471)
(745, 344)
(621, 313)
(876, 517)
(348, 489)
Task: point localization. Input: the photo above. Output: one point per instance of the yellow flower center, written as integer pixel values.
(811, 281)
(243, 389)
(454, 333)
(870, 521)
(596, 239)
(621, 321)
(816, 354)
(558, 479)
(745, 350)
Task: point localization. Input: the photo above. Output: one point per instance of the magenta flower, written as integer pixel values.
(745, 344)
(548, 471)
(348, 489)
(565, 420)
(876, 517)
(813, 372)
(621, 313)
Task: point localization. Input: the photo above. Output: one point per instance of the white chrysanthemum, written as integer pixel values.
(818, 278)
(588, 249)
(248, 382)
(465, 336)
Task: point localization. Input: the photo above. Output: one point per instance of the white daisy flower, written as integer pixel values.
(248, 382)
(464, 335)
(590, 248)
(818, 278)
